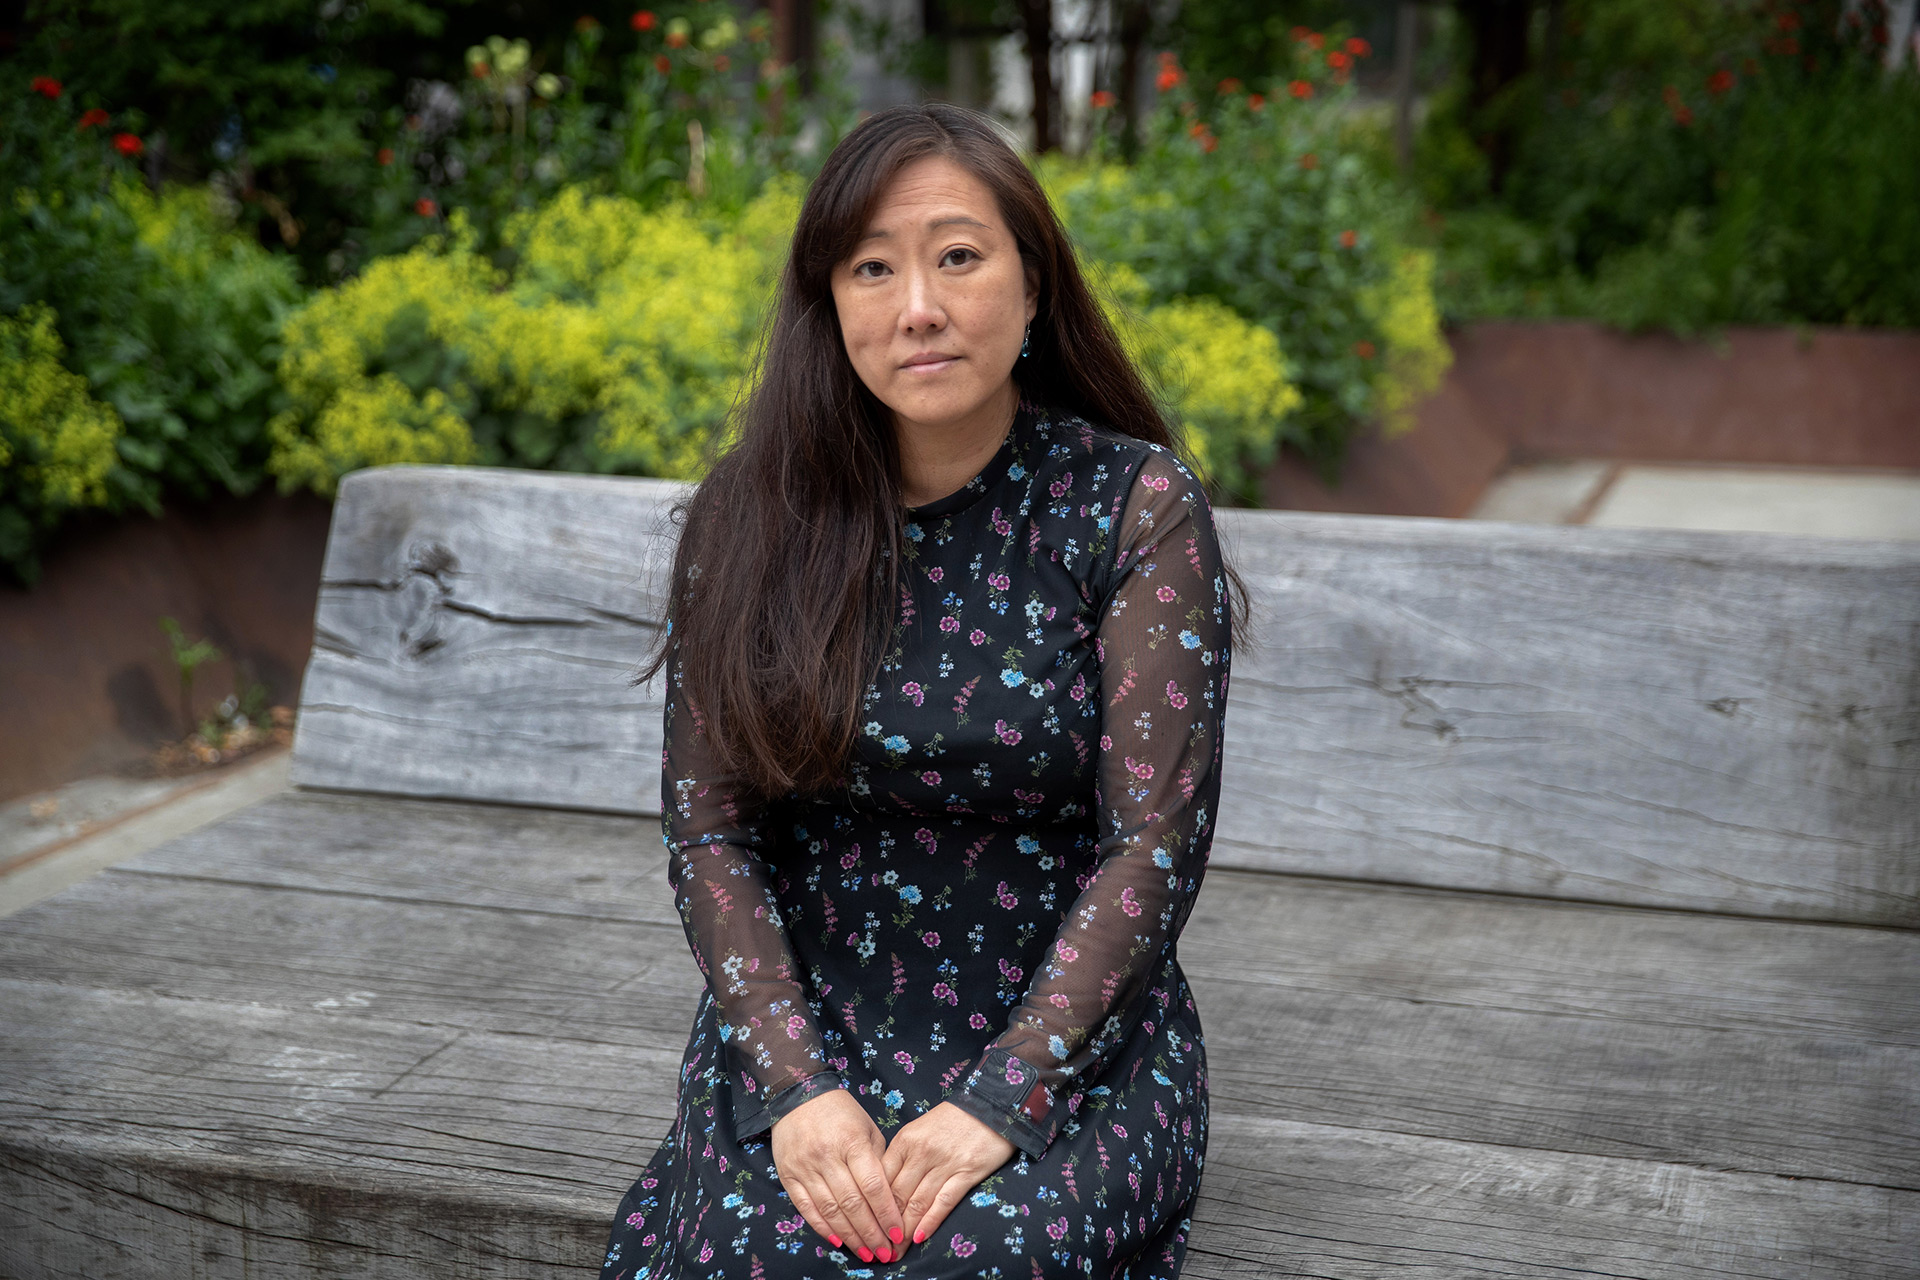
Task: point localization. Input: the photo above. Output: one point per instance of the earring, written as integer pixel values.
(1027, 341)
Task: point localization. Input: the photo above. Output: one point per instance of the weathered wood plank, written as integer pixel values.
(1715, 722)
(224, 1140)
(1634, 1051)
(476, 636)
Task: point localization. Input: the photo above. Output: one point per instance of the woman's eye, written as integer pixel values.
(957, 257)
(874, 274)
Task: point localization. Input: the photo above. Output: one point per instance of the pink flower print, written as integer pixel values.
(1068, 954)
(1106, 742)
(1059, 487)
(1166, 595)
(1141, 769)
(978, 1022)
(949, 624)
(978, 637)
(706, 1251)
(1059, 1001)
(905, 1059)
(1129, 904)
(1118, 1132)
(1156, 483)
(931, 938)
(1079, 691)
(1001, 525)
(635, 1219)
(1006, 733)
(936, 573)
(1174, 696)
(1008, 901)
(1011, 972)
(999, 581)
(912, 689)
(787, 1226)
(941, 991)
(1057, 1228)
(931, 778)
(961, 1246)
(795, 1025)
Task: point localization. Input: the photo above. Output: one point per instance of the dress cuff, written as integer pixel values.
(755, 1112)
(1006, 1094)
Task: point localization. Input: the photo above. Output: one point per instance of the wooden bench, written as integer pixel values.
(1564, 919)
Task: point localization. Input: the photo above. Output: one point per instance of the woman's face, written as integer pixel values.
(935, 299)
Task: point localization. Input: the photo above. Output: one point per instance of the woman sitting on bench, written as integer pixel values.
(945, 673)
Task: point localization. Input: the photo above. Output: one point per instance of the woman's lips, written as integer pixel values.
(930, 362)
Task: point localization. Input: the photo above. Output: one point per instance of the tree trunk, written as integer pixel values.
(1499, 31)
(1136, 23)
(1037, 17)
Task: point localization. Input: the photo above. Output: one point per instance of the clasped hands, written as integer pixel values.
(869, 1195)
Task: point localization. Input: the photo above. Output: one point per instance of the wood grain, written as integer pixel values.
(1707, 721)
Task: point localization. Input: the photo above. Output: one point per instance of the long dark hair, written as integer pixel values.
(787, 569)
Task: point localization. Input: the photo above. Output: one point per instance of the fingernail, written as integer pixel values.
(866, 1254)
(886, 1255)
(919, 1237)
(895, 1235)
(834, 1241)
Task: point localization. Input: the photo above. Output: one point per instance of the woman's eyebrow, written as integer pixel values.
(952, 220)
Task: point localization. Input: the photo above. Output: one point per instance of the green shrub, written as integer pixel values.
(1276, 207)
(56, 440)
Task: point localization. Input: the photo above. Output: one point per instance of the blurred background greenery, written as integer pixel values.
(268, 243)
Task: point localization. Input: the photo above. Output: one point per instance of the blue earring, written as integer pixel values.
(1026, 341)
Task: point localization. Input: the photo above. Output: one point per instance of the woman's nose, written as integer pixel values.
(922, 310)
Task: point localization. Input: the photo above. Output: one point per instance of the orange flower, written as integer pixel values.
(1315, 40)
(1230, 85)
(425, 207)
(721, 62)
(46, 86)
(384, 155)
(1300, 89)
(676, 39)
(1255, 101)
(1349, 238)
(1359, 48)
(1197, 128)
(1719, 82)
(1309, 161)
(128, 145)
(644, 20)
(1168, 77)
(481, 71)
(661, 64)
(1101, 100)
(1339, 61)
(1363, 349)
(1208, 142)
(93, 117)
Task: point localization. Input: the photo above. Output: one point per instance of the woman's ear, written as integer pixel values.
(1033, 290)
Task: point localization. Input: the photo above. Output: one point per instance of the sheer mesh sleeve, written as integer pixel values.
(1164, 645)
(722, 886)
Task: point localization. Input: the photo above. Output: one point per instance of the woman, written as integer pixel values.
(945, 676)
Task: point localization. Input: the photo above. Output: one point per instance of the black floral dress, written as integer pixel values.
(986, 913)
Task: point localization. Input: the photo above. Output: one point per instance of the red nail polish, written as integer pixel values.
(866, 1254)
(834, 1241)
(919, 1237)
(895, 1235)
(886, 1256)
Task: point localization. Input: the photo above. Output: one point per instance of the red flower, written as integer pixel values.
(1101, 100)
(1339, 61)
(1359, 48)
(1230, 85)
(1300, 89)
(661, 64)
(481, 71)
(1168, 77)
(1363, 349)
(1719, 82)
(1309, 161)
(384, 155)
(1197, 128)
(128, 145)
(1255, 101)
(425, 207)
(1349, 238)
(46, 86)
(1208, 142)
(644, 20)
(1683, 116)
(676, 39)
(1315, 40)
(721, 62)
(93, 117)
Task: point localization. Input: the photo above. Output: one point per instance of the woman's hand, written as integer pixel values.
(828, 1153)
(933, 1161)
